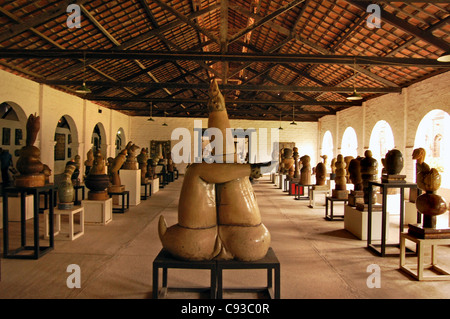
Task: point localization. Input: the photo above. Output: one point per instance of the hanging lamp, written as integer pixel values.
(293, 116)
(355, 96)
(151, 113)
(83, 89)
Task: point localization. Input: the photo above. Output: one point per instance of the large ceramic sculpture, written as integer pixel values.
(131, 162)
(347, 160)
(369, 172)
(288, 163)
(296, 157)
(76, 173)
(356, 195)
(142, 159)
(430, 205)
(97, 180)
(393, 164)
(340, 190)
(113, 171)
(321, 171)
(333, 168)
(66, 191)
(29, 163)
(305, 172)
(218, 216)
(418, 155)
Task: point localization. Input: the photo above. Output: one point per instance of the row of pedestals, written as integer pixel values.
(20, 204)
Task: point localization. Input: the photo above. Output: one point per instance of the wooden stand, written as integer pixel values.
(97, 212)
(72, 234)
(329, 202)
(418, 273)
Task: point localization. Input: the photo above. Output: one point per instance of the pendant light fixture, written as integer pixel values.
(151, 113)
(445, 57)
(293, 116)
(83, 89)
(280, 128)
(354, 96)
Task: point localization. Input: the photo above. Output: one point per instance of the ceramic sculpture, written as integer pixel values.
(142, 159)
(333, 168)
(296, 163)
(430, 205)
(340, 189)
(131, 162)
(218, 216)
(305, 172)
(88, 162)
(29, 164)
(356, 195)
(113, 171)
(393, 163)
(97, 180)
(347, 160)
(321, 171)
(287, 164)
(369, 172)
(66, 191)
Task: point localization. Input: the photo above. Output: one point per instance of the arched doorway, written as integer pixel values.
(327, 145)
(66, 143)
(349, 144)
(120, 142)
(433, 135)
(98, 139)
(381, 141)
(12, 137)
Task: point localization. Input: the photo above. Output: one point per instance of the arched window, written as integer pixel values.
(434, 138)
(327, 145)
(381, 141)
(349, 144)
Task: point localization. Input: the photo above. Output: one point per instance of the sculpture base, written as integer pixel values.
(35, 180)
(386, 178)
(65, 206)
(419, 231)
(355, 197)
(364, 207)
(130, 165)
(116, 188)
(320, 187)
(340, 194)
(100, 195)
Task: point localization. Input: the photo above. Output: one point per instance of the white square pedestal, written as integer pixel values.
(355, 222)
(281, 179)
(72, 234)
(410, 213)
(14, 208)
(97, 211)
(131, 178)
(155, 185)
(315, 195)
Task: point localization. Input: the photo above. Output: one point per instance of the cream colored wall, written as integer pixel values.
(51, 104)
(403, 111)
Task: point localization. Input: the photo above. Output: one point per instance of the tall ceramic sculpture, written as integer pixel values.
(430, 205)
(296, 163)
(356, 195)
(66, 191)
(142, 159)
(113, 171)
(369, 172)
(97, 180)
(333, 168)
(88, 162)
(218, 216)
(347, 160)
(305, 172)
(29, 163)
(340, 190)
(288, 163)
(321, 171)
(418, 155)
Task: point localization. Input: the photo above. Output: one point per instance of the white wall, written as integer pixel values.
(51, 104)
(403, 111)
